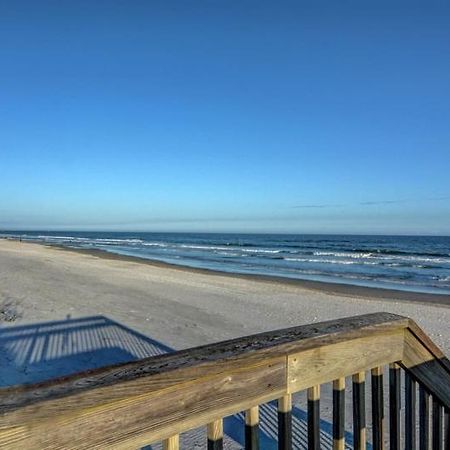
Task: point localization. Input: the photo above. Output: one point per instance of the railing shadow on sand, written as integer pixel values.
(36, 352)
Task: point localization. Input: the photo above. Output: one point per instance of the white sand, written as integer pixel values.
(177, 307)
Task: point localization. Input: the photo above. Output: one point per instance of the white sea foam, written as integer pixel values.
(259, 250)
(331, 261)
(134, 240)
(65, 238)
(228, 253)
(346, 255)
(383, 256)
(102, 241)
(202, 247)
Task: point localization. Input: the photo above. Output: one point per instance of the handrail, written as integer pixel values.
(133, 404)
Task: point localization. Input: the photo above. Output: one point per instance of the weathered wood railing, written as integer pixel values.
(156, 399)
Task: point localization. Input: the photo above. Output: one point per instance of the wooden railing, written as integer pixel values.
(155, 399)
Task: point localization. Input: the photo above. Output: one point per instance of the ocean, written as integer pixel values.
(412, 263)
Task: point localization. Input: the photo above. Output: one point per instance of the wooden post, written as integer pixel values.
(172, 443)
(394, 407)
(285, 423)
(410, 412)
(437, 425)
(252, 428)
(359, 411)
(377, 408)
(446, 429)
(314, 418)
(424, 419)
(215, 435)
(339, 414)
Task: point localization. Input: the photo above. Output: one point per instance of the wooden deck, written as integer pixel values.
(155, 399)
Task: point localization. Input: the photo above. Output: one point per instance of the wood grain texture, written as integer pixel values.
(215, 435)
(252, 416)
(426, 341)
(325, 364)
(215, 430)
(153, 416)
(131, 405)
(172, 443)
(285, 403)
(427, 366)
(166, 370)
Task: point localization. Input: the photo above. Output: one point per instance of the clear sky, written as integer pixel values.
(225, 116)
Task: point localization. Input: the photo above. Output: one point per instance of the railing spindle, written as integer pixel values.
(215, 435)
(410, 412)
(285, 423)
(339, 414)
(359, 411)
(437, 425)
(314, 418)
(172, 443)
(446, 429)
(252, 428)
(424, 419)
(394, 406)
(377, 408)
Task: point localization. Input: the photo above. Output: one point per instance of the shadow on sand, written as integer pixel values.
(37, 352)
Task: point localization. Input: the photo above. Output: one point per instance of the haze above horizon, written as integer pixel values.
(261, 117)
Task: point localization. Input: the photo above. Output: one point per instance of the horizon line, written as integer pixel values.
(218, 232)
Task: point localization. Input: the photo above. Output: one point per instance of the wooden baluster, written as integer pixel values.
(172, 443)
(394, 406)
(424, 419)
(314, 418)
(215, 435)
(359, 411)
(377, 408)
(252, 428)
(410, 412)
(285, 423)
(339, 414)
(446, 429)
(437, 425)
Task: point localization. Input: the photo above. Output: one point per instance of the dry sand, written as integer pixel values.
(177, 306)
(174, 306)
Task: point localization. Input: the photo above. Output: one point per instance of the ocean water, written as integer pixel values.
(419, 263)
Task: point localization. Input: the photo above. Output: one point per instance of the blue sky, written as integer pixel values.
(225, 116)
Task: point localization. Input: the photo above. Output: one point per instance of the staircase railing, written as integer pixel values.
(155, 399)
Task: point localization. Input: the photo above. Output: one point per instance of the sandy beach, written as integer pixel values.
(181, 307)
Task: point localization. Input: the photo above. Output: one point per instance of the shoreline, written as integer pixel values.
(341, 289)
